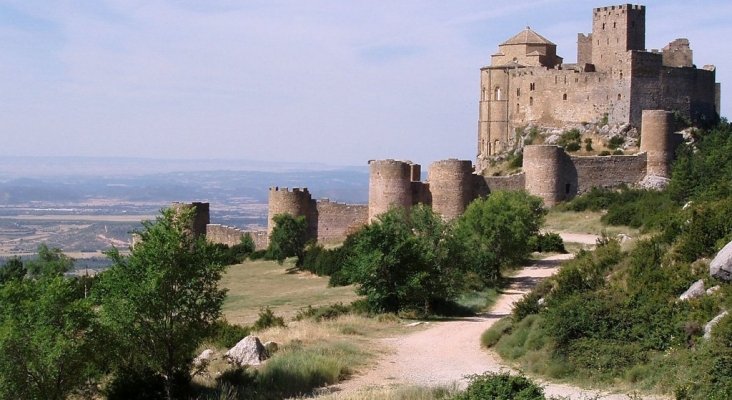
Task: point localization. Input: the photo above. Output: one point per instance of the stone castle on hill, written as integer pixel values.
(615, 80)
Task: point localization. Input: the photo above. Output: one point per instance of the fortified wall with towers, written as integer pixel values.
(615, 81)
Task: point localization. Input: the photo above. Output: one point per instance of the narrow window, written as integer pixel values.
(564, 97)
(615, 25)
(621, 74)
(556, 80)
(517, 107)
(518, 92)
(567, 187)
(531, 101)
(619, 96)
(532, 86)
(603, 26)
(498, 93)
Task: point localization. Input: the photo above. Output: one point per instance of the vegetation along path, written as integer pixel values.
(446, 352)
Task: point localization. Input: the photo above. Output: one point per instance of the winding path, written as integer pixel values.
(445, 352)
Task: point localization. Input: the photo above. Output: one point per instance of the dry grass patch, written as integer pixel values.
(256, 284)
(583, 222)
(395, 393)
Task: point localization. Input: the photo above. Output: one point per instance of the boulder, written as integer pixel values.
(553, 139)
(204, 358)
(713, 289)
(695, 290)
(249, 351)
(710, 325)
(721, 266)
(654, 182)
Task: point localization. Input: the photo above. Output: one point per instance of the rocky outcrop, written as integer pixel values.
(711, 324)
(249, 351)
(695, 290)
(721, 266)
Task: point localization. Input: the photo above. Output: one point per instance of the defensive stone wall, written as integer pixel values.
(231, 236)
(510, 182)
(336, 220)
(603, 171)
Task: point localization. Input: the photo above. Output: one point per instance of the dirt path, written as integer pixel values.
(445, 352)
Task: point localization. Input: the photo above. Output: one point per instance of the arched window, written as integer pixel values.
(619, 96)
(531, 101)
(518, 92)
(497, 92)
(564, 97)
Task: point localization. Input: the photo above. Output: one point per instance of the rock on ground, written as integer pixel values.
(654, 182)
(721, 266)
(710, 325)
(695, 290)
(249, 351)
(204, 358)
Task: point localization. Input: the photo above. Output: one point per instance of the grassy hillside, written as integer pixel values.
(613, 316)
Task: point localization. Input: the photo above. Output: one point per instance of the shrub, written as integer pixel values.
(605, 153)
(615, 142)
(571, 140)
(226, 335)
(501, 386)
(321, 313)
(588, 144)
(549, 242)
(618, 152)
(267, 319)
(573, 146)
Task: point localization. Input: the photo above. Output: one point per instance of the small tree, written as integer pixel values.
(12, 270)
(48, 339)
(50, 261)
(400, 261)
(288, 238)
(161, 300)
(497, 231)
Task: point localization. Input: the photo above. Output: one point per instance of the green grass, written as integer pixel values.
(256, 284)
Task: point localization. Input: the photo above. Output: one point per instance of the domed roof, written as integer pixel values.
(527, 36)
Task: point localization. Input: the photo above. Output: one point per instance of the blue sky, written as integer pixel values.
(291, 80)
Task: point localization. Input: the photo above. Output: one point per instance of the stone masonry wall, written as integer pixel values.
(230, 236)
(510, 182)
(337, 220)
(608, 171)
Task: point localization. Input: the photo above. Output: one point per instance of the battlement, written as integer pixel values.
(620, 7)
(286, 190)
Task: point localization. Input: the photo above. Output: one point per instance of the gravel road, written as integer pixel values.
(445, 352)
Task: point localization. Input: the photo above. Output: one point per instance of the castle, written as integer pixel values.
(615, 79)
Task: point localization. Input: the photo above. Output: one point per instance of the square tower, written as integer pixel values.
(615, 31)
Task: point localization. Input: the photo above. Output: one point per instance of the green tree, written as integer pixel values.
(401, 261)
(13, 269)
(288, 238)
(161, 300)
(50, 261)
(48, 339)
(497, 231)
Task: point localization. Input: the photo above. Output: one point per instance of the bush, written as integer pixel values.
(571, 140)
(267, 319)
(615, 142)
(588, 144)
(605, 153)
(501, 386)
(226, 335)
(321, 313)
(549, 242)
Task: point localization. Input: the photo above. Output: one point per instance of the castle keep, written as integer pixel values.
(615, 79)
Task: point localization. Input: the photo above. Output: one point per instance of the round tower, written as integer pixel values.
(390, 185)
(201, 215)
(295, 202)
(656, 128)
(451, 187)
(543, 168)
